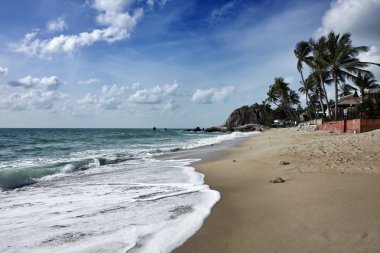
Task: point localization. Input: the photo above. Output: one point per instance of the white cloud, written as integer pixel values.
(108, 103)
(213, 95)
(220, 13)
(114, 90)
(88, 99)
(289, 79)
(89, 81)
(49, 83)
(56, 25)
(117, 24)
(373, 55)
(31, 100)
(171, 105)
(151, 3)
(144, 96)
(353, 16)
(135, 86)
(360, 18)
(111, 97)
(116, 97)
(153, 95)
(3, 71)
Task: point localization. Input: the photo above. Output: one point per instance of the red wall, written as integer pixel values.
(369, 124)
(351, 126)
(334, 126)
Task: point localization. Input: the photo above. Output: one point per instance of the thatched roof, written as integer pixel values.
(374, 91)
(350, 100)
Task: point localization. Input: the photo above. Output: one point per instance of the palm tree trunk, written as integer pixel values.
(320, 100)
(336, 95)
(326, 97)
(311, 104)
(307, 95)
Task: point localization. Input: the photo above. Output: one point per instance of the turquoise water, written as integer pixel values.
(27, 155)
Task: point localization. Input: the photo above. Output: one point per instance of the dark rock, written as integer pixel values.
(197, 129)
(243, 119)
(282, 162)
(277, 180)
(246, 128)
(213, 129)
(241, 116)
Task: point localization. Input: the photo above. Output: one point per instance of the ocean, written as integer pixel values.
(101, 190)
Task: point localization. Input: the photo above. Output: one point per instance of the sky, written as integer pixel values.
(163, 63)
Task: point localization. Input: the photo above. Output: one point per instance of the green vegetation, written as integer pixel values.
(332, 59)
(328, 60)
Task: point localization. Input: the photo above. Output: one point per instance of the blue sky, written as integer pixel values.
(164, 63)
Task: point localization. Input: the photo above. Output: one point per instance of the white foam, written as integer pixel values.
(68, 168)
(135, 206)
(219, 139)
(95, 163)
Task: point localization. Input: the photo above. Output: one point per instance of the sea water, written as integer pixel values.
(100, 190)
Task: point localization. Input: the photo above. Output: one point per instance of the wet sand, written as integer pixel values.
(330, 201)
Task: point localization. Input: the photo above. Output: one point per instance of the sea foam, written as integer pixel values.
(127, 208)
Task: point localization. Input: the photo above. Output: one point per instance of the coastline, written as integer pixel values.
(329, 202)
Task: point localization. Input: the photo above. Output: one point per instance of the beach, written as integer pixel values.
(329, 201)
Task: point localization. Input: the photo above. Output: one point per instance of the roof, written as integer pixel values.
(374, 91)
(349, 100)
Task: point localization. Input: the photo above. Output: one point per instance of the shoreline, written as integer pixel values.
(329, 202)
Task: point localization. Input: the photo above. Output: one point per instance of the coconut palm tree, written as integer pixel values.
(365, 81)
(319, 67)
(314, 81)
(346, 90)
(283, 97)
(302, 52)
(341, 60)
(306, 89)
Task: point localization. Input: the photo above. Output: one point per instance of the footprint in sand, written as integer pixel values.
(363, 236)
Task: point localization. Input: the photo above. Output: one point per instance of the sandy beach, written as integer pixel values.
(330, 201)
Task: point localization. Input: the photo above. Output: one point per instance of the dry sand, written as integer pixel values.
(330, 201)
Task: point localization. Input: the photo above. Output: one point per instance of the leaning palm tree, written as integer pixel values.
(319, 67)
(302, 52)
(314, 81)
(365, 81)
(341, 60)
(306, 89)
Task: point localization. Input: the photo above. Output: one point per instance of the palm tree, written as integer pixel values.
(365, 81)
(302, 52)
(263, 112)
(314, 80)
(346, 90)
(306, 89)
(283, 97)
(341, 60)
(319, 67)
